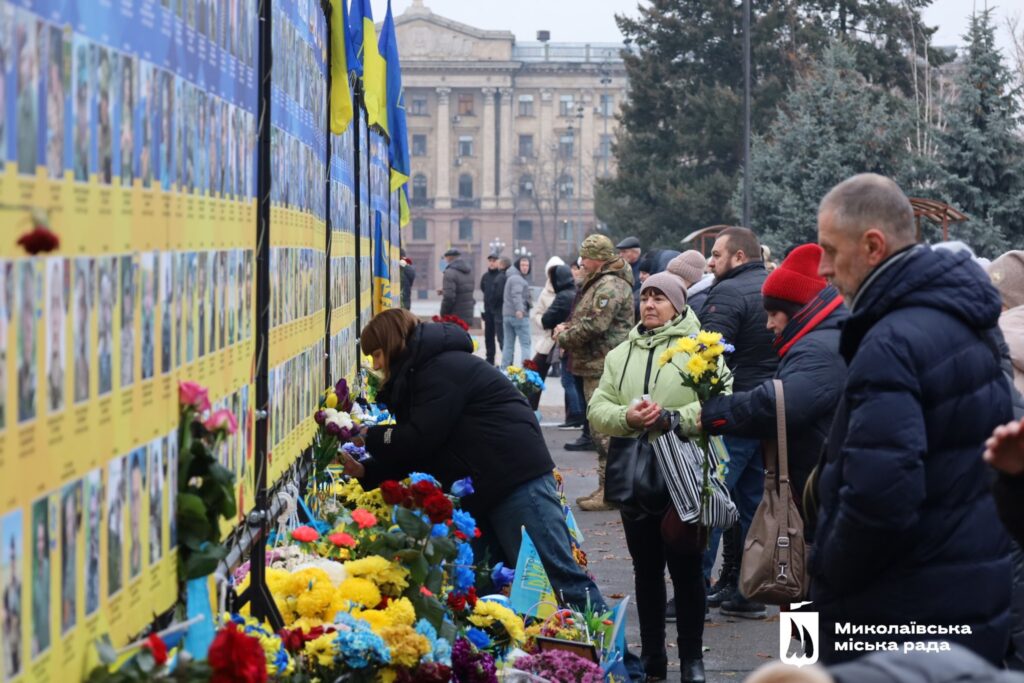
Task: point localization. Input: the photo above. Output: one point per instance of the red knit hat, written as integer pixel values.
(796, 279)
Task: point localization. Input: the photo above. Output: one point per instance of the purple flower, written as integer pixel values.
(502, 576)
(463, 488)
(334, 429)
(319, 417)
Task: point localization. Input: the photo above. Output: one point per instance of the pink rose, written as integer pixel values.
(193, 394)
(364, 518)
(222, 419)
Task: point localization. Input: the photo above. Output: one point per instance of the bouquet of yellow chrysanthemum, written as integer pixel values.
(700, 361)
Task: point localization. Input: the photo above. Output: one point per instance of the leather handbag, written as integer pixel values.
(774, 569)
(632, 479)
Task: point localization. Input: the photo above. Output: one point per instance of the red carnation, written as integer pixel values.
(342, 540)
(157, 647)
(457, 601)
(305, 534)
(39, 240)
(422, 490)
(236, 657)
(438, 508)
(292, 640)
(528, 364)
(393, 492)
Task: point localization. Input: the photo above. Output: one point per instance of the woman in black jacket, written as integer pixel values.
(560, 310)
(457, 416)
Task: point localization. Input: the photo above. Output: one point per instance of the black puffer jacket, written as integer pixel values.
(457, 284)
(907, 526)
(735, 308)
(457, 416)
(565, 294)
(488, 282)
(813, 374)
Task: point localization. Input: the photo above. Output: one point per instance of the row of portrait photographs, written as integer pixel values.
(81, 107)
(299, 70)
(296, 289)
(342, 149)
(300, 173)
(229, 24)
(342, 208)
(343, 280)
(234, 450)
(71, 521)
(344, 354)
(125, 292)
(365, 277)
(294, 386)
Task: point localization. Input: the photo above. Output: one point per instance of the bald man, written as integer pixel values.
(908, 534)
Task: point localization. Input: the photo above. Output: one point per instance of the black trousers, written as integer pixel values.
(493, 328)
(650, 554)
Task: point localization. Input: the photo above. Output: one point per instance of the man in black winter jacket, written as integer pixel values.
(492, 316)
(908, 536)
(457, 287)
(735, 309)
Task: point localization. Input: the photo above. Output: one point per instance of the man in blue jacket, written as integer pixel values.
(908, 541)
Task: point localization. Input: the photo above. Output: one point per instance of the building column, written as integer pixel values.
(442, 191)
(488, 151)
(507, 175)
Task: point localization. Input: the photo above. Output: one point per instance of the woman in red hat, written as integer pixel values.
(805, 313)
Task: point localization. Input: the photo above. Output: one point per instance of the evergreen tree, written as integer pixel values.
(680, 143)
(982, 153)
(832, 125)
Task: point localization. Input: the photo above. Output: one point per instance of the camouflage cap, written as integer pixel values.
(598, 247)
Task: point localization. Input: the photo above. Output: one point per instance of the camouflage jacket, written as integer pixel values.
(602, 318)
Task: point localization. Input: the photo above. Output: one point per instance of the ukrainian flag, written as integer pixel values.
(398, 148)
(381, 271)
(341, 95)
(374, 70)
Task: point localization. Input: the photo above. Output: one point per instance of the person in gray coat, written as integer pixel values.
(457, 288)
(515, 311)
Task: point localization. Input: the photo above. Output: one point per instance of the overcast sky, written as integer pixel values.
(594, 20)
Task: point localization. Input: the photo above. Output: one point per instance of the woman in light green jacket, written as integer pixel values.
(631, 371)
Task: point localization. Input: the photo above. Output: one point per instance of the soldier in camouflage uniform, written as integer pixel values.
(601, 321)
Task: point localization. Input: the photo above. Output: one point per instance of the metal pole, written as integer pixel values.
(746, 113)
(325, 5)
(579, 175)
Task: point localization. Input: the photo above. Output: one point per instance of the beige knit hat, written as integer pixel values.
(689, 265)
(1007, 273)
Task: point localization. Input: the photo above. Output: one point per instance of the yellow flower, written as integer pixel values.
(361, 591)
(514, 369)
(323, 649)
(713, 352)
(390, 578)
(686, 345)
(377, 619)
(486, 613)
(401, 612)
(666, 357)
(709, 338)
(332, 400)
(407, 647)
(696, 366)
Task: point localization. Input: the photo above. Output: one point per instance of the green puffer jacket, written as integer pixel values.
(633, 365)
(601, 319)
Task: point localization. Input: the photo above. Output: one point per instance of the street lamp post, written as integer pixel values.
(497, 246)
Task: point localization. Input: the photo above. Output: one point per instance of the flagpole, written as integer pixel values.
(325, 5)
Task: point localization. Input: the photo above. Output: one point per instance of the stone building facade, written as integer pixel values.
(506, 141)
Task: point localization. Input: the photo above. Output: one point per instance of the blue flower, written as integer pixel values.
(464, 522)
(479, 638)
(427, 630)
(439, 530)
(360, 647)
(464, 577)
(502, 576)
(416, 477)
(443, 652)
(463, 488)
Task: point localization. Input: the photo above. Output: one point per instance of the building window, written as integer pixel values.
(419, 188)
(465, 145)
(565, 231)
(526, 186)
(524, 230)
(465, 186)
(607, 105)
(565, 146)
(526, 145)
(526, 105)
(419, 228)
(465, 229)
(419, 145)
(604, 151)
(465, 104)
(565, 186)
(566, 106)
(419, 106)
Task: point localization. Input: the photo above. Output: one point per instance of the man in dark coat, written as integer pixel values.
(457, 287)
(805, 314)
(735, 309)
(630, 251)
(408, 278)
(491, 317)
(907, 533)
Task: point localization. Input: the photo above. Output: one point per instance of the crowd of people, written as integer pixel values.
(902, 366)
